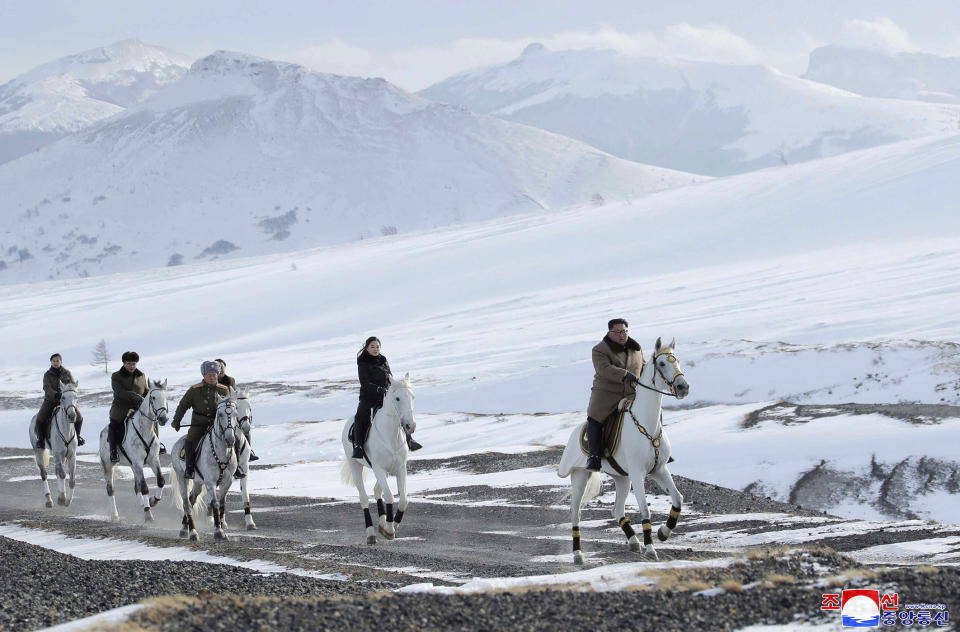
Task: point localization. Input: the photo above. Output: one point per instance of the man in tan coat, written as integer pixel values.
(617, 360)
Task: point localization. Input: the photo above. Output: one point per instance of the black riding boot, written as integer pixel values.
(78, 425)
(43, 433)
(253, 457)
(361, 426)
(411, 444)
(113, 436)
(189, 458)
(594, 444)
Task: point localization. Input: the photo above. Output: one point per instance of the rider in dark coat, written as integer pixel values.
(56, 375)
(374, 372)
(129, 388)
(202, 399)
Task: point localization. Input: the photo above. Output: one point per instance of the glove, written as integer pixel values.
(630, 378)
(176, 425)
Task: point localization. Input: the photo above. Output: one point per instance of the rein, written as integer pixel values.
(213, 448)
(63, 412)
(655, 441)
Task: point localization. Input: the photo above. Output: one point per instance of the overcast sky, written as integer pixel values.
(414, 43)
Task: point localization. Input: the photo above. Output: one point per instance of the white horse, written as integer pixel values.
(242, 445)
(215, 462)
(63, 444)
(139, 448)
(644, 449)
(386, 454)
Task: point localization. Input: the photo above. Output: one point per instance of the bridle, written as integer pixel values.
(222, 431)
(154, 410)
(672, 359)
(67, 416)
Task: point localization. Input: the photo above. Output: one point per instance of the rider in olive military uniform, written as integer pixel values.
(129, 388)
(202, 398)
(56, 375)
(230, 382)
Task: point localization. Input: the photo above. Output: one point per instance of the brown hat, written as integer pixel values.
(130, 356)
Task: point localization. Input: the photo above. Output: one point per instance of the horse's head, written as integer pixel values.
(400, 396)
(157, 396)
(667, 368)
(226, 418)
(68, 400)
(244, 408)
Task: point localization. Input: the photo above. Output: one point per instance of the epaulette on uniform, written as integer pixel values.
(198, 385)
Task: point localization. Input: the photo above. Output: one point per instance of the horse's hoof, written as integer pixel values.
(578, 557)
(66, 503)
(635, 546)
(115, 518)
(183, 533)
(49, 503)
(147, 516)
(661, 536)
(650, 553)
(154, 501)
(193, 536)
(251, 527)
(387, 534)
(220, 535)
(371, 539)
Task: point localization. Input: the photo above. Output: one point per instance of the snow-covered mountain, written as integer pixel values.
(245, 156)
(876, 73)
(714, 119)
(74, 92)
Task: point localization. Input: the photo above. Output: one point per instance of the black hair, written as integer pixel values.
(617, 321)
(130, 356)
(367, 344)
(56, 355)
(222, 363)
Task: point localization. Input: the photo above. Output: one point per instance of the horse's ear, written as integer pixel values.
(673, 343)
(407, 376)
(164, 385)
(657, 346)
(233, 392)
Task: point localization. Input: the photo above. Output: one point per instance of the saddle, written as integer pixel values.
(611, 430)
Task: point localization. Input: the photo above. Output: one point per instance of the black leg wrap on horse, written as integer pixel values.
(184, 521)
(627, 527)
(380, 509)
(398, 517)
(246, 510)
(367, 520)
(674, 515)
(389, 512)
(576, 539)
(190, 522)
(144, 490)
(647, 535)
(160, 481)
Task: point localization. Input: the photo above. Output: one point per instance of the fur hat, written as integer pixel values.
(130, 356)
(210, 366)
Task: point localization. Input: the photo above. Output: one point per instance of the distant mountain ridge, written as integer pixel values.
(875, 73)
(709, 118)
(74, 92)
(245, 156)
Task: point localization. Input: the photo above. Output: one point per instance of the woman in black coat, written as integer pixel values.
(374, 373)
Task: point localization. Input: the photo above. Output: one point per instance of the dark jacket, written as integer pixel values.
(52, 380)
(227, 381)
(129, 389)
(374, 372)
(611, 361)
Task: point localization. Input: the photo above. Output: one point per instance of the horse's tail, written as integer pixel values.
(592, 488)
(175, 483)
(346, 474)
(46, 457)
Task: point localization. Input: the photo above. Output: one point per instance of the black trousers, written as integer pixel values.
(115, 433)
(362, 420)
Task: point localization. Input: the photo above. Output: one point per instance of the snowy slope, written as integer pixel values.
(875, 73)
(245, 156)
(74, 92)
(715, 119)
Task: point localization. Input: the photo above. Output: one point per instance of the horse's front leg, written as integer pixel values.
(245, 495)
(640, 492)
(58, 458)
(386, 519)
(619, 511)
(665, 479)
(72, 470)
(158, 473)
(213, 494)
(141, 490)
(402, 494)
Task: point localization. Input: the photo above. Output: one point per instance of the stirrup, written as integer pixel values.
(163, 448)
(188, 475)
(81, 440)
(412, 445)
(253, 457)
(593, 464)
(114, 457)
(357, 452)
